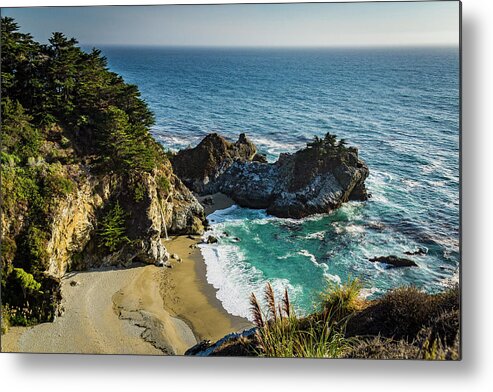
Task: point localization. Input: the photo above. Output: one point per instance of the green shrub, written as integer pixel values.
(112, 231)
(139, 192)
(342, 300)
(163, 183)
(57, 182)
(26, 281)
(34, 249)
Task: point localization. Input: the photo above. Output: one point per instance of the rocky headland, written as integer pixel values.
(316, 179)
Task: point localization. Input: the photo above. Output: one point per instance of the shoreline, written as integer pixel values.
(201, 310)
(142, 309)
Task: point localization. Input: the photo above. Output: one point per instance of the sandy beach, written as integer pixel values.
(141, 310)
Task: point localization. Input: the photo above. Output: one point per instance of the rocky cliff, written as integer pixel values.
(76, 233)
(200, 167)
(150, 216)
(316, 179)
(151, 210)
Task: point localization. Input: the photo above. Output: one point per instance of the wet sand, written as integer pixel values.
(188, 296)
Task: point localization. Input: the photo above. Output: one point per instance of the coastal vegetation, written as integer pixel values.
(405, 323)
(76, 155)
(112, 231)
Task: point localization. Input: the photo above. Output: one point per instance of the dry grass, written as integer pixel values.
(406, 323)
(283, 334)
(341, 301)
(403, 312)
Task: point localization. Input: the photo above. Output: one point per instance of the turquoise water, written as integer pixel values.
(400, 107)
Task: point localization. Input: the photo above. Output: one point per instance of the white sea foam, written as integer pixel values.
(436, 165)
(319, 235)
(220, 216)
(274, 147)
(377, 184)
(365, 292)
(411, 183)
(312, 258)
(437, 183)
(175, 143)
(235, 279)
(332, 278)
(354, 229)
(451, 281)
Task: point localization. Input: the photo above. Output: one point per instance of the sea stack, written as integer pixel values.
(315, 179)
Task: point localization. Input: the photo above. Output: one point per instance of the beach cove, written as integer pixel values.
(143, 309)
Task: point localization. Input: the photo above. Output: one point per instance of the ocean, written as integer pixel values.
(399, 106)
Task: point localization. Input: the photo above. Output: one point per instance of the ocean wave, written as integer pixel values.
(451, 281)
(436, 183)
(174, 142)
(378, 177)
(333, 278)
(235, 279)
(313, 259)
(274, 148)
(436, 165)
(354, 229)
(318, 235)
(411, 183)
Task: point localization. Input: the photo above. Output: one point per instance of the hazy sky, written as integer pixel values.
(349, 24)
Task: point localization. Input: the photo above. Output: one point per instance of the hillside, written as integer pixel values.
(84, 184)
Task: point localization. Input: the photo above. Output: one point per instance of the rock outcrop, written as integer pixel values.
(394, 261)
(74, 242)
(316, 179)
(200, 167)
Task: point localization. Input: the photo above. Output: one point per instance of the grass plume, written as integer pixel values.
(286, 335)
(286, 305)
(258, 318)
(270, 299)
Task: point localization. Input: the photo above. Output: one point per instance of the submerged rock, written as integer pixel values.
(418, 252)
(316, 179)
(211, 240)
(394, 261)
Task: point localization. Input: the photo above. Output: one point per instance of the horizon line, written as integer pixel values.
(171, 46)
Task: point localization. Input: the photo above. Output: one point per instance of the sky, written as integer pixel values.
(250, 25)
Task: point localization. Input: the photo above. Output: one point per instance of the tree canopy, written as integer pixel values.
(59, 83)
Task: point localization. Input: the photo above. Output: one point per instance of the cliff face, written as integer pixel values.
(76, 233)
(313, 180)
(73, 240)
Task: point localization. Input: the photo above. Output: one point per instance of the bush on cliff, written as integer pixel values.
(112, 232)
